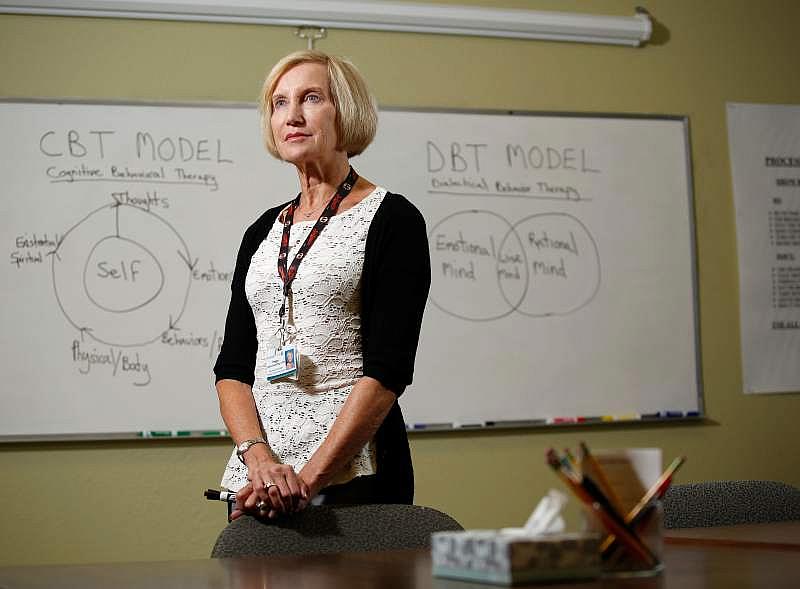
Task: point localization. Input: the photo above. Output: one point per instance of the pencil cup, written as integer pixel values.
(617, 559)
(628, 474)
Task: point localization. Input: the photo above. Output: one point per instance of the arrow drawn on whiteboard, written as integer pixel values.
(189, 263)
(54, 251)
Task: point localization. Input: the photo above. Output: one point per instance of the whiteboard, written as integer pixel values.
(561, 247)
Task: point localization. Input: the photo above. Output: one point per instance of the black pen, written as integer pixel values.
(213, 495)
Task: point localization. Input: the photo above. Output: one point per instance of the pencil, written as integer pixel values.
(656, 491)
(574, 464)
(627, 537)
(595, 467)
(659, 487)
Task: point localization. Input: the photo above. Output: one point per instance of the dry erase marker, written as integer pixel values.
(213, 495)
(424, 426)
(469, 424)
(157, 434)
(564, 420)
(628, 417)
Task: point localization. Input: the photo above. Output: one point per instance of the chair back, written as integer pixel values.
(334, 528)
(723, 503)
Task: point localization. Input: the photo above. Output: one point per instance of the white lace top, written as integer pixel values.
(324, 310)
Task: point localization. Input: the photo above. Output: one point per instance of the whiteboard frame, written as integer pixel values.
(696, 417)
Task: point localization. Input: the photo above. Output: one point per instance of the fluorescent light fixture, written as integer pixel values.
(373, 16)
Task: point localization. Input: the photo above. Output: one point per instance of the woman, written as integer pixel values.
(339, 276)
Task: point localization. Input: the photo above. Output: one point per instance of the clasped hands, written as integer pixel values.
(274, 490)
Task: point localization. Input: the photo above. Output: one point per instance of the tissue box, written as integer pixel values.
(492, 556)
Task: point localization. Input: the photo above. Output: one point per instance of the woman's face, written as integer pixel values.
(303, 117)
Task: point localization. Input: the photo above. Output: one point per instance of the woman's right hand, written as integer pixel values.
(274, 489)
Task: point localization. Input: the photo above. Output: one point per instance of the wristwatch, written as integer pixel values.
(246, 445)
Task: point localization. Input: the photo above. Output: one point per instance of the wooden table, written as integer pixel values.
(778, 535)
(687, 567)
(690, 563)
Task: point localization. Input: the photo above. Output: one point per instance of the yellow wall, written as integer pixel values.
(118, 501)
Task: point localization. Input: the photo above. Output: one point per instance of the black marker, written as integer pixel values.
(213, 495)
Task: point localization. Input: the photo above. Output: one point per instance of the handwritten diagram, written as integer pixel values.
(484, 268)
(122, 275)
(551, 238)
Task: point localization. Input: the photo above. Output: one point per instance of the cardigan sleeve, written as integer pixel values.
(237, 356)
(395, 284)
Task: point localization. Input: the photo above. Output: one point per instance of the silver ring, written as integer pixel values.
(261, 505)
(268, 484)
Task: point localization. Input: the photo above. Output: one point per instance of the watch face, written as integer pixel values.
(245, 446)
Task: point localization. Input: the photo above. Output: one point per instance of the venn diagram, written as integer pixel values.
(485, 268)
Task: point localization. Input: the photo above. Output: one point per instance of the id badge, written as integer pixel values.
(282, 363)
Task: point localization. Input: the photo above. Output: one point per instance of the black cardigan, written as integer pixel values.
(394, 289)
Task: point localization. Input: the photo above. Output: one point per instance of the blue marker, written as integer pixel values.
(662, 415)
(429, 426)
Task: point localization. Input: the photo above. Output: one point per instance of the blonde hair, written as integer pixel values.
(356, 111)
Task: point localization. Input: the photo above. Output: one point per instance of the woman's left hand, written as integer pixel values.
(267, 504)
(248, 502)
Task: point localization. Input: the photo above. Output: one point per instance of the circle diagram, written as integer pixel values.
(143, 270)
(122, 275)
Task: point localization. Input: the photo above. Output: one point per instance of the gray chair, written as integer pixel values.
(334, 528)
(725, 503)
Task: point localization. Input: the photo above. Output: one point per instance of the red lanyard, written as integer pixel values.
(287, 275)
